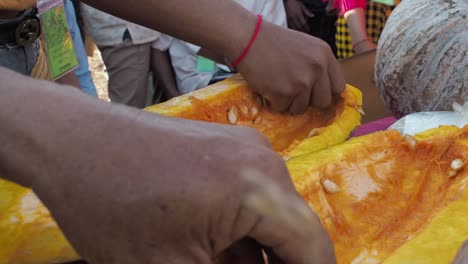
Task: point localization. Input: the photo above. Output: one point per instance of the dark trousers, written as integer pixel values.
(323, 24)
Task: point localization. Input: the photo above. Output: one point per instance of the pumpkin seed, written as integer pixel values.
(257, 119)
(411, 141)
(452, 173)
(330, 186)
(232, 115)
(361, 111)
(314, 132)
(456, 165)
(254, 111)
(258, 99)
(244, 110)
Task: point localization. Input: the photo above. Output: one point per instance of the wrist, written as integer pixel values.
(250, 44)
(240, 37)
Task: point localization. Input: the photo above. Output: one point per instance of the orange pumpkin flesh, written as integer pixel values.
(389, 191)
(284, 131)
(37, 239)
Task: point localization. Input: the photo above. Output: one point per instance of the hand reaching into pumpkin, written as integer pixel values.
(290, 69)
(128, 187)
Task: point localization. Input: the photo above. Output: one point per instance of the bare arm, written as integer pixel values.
(224, 32)
(121, 183)
(356, 20)
(290, 69)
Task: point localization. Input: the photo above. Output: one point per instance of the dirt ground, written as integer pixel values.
(98, 72)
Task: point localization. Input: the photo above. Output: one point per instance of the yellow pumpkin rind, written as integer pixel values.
(28, 233)
(440, 240)
(329, 136)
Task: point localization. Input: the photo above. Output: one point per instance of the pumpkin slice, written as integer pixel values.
(28, 234)
(231, 102)
(376, 192)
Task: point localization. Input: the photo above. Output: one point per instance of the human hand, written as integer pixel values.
(297, 15)
(292, 70)
(165, 190)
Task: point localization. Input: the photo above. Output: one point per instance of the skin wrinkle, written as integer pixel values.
(239, 209)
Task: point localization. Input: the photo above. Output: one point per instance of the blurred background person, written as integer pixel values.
(360, 25)
(126, 50)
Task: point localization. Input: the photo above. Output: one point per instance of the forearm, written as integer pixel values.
(35, 120)
(356, 20)
(51, 134)
(226, 30)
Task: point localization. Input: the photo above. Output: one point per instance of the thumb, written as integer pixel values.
(287, 226)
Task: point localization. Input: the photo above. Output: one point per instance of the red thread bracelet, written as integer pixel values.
(252, 41)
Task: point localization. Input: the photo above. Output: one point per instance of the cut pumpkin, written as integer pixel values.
(398, 198)
(383, 197)
(28, 233)
(231, 102)
(395, 200)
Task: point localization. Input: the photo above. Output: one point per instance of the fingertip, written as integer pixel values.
(337, 79)
(341, 86)
(300, 103)
(322, 96)
(278, 104)
(323, 101)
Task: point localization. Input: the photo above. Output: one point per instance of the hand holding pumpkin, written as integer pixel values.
(132, 187)
(292, 70)
(186, 207)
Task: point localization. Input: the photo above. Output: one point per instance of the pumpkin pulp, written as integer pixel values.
(279, 128)
(37, 239)
(389, 189)
(284, 131)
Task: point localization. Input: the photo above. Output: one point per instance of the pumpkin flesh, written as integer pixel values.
(285, 132)
(389, 191)
(37, 238)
